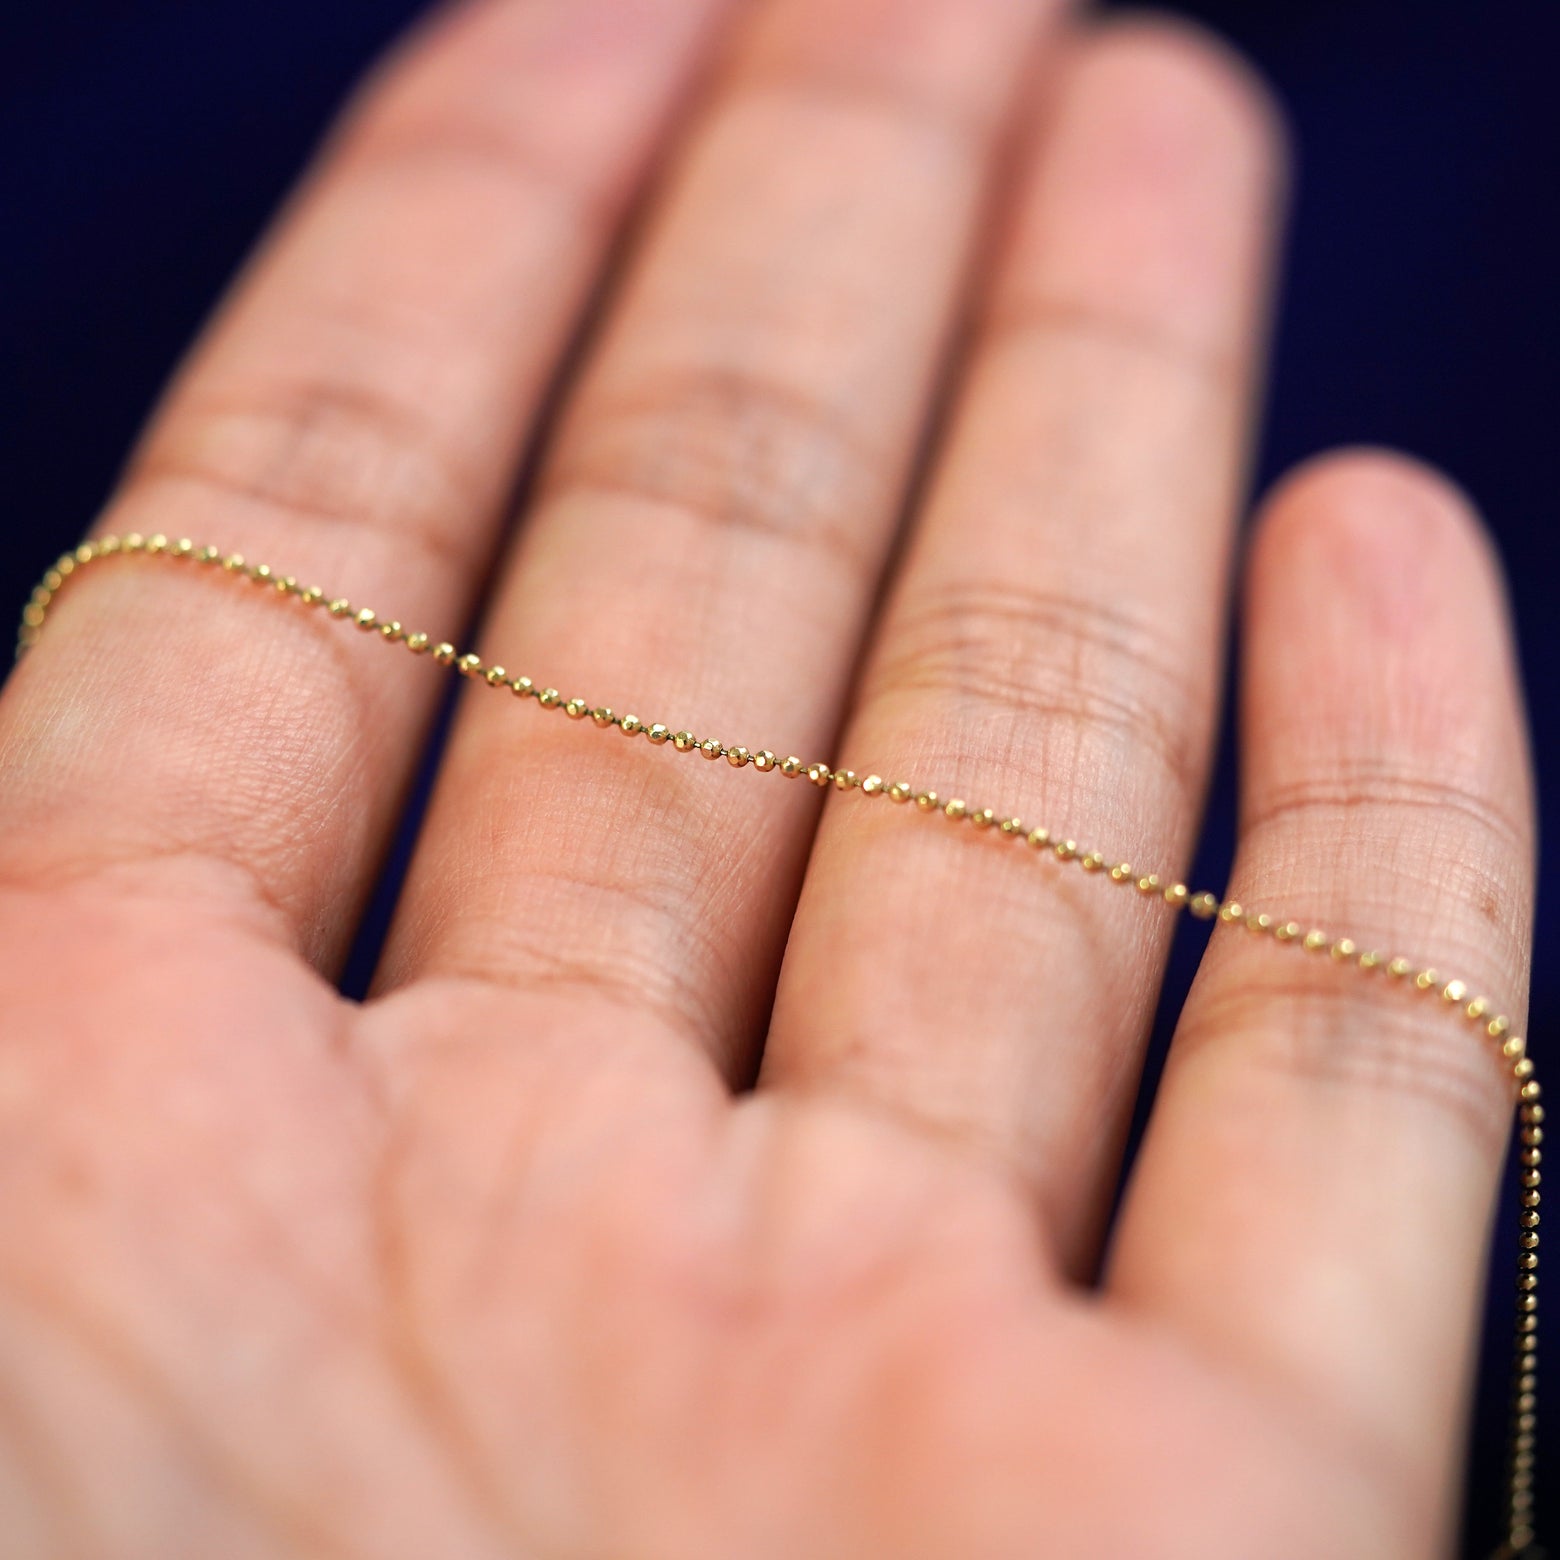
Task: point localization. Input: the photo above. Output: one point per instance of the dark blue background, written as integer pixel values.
(143, 142)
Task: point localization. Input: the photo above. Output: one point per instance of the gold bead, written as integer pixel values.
(444, 654)
(764, 760)
(1039, 838)
(819, 774)
(340, 607)
(549, 698)
(1259, 922)
(926, 800)
(313, 596)
(1478, 1008)
(685, 741)
(232, 564)
(417, 643)
(1531, 1091)
(872, 785)
(1342, 949)
(523, 687)
(1012, 826)
(575, 709)
(1454, 991)
(1148, 885)
(791, 766)
(710, 748)
(738, 757)
(658, 733)
(260, 573)
(1398, 968)
(1287, 932)
(134, 542)
(983, 818)
(1497, 1027)
(1369, 961)
(469, 665)
(157, 543)
(1231, 911)
(631, 725)
(1425, 979)
(1065, 850)
(1315, 940)
(1091, 861)
(184, 547)
(1121, 872)
(846, 780)
(900, 791)
(601, 715)
(495, 676)
(1176, 895)
(1204, 906)
(205, 555)
(1523, 1069)
(955, 809)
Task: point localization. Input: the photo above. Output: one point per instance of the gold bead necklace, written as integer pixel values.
(1450, 993)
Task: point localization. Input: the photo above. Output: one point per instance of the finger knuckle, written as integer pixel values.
(319, 449)
(735, 454)
(1372, 1042)
(1017, 654)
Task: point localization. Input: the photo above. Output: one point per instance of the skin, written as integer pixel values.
(718, 1168)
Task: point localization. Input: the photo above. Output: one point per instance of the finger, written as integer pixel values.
(712, 522)
(354, 419)
(1052, 642)
(1314, 1194)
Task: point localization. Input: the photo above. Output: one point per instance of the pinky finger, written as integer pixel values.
(1314, 1195)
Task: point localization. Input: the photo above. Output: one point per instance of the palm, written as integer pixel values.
(512, 1260)
(501, 1299)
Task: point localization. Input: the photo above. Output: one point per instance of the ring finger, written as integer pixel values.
(1053, 641)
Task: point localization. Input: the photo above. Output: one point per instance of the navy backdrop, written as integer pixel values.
(143, 142)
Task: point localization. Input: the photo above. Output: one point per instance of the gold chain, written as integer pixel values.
(1450, 993)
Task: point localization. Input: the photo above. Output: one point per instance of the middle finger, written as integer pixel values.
(712, 523)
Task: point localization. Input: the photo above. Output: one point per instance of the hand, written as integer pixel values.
(509, 1260)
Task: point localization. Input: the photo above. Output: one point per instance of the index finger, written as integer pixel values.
(354, 420)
